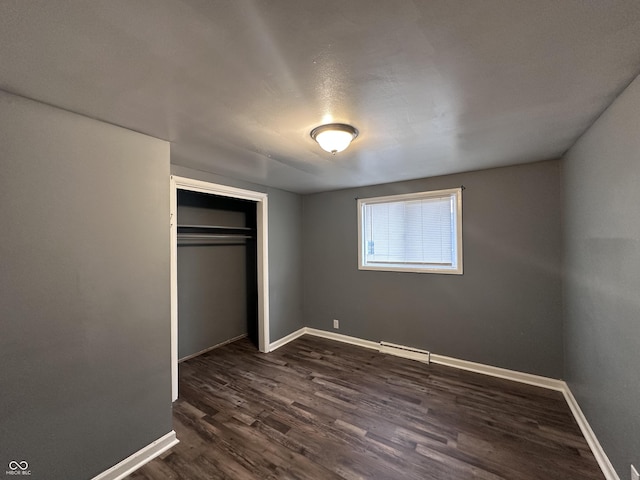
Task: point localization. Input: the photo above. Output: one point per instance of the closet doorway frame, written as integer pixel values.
(193, 185)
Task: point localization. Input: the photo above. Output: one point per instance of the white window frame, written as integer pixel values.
(414, 268)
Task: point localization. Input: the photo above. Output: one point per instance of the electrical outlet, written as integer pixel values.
(336, 325)
(634, 473)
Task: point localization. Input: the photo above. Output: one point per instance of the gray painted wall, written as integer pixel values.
(285, 263)
(602, 262)
(285, 250)
(85, 375)
(212, 281)
(506, 308)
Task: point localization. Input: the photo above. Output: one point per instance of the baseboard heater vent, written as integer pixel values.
(405, 352)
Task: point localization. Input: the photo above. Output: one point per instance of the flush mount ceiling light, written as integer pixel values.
(334, 137)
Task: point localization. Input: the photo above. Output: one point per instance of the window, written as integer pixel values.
(417, 232)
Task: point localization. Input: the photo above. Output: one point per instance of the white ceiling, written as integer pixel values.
(434, 86)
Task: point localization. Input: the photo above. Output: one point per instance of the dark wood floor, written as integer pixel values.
(318, 409)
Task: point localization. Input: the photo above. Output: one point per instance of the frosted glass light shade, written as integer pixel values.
(334, 137)
(334, 140)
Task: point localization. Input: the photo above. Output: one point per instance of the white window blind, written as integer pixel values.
(416, 232)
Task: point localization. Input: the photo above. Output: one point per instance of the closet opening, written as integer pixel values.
(218, 269)
(217, 272)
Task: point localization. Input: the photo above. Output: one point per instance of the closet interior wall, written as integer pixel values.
(217, 271)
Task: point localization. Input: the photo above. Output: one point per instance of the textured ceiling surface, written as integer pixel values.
(434, 86)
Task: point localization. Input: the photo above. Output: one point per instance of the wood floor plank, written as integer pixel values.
(318, 409)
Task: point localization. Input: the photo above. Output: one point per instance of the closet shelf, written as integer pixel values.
(213, 234)
(212, 228)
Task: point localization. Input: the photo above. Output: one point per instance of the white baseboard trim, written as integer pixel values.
(528, 378)
(138, 459)
(343, 338)
(321, 333)
(597, 450)
(289, 338)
